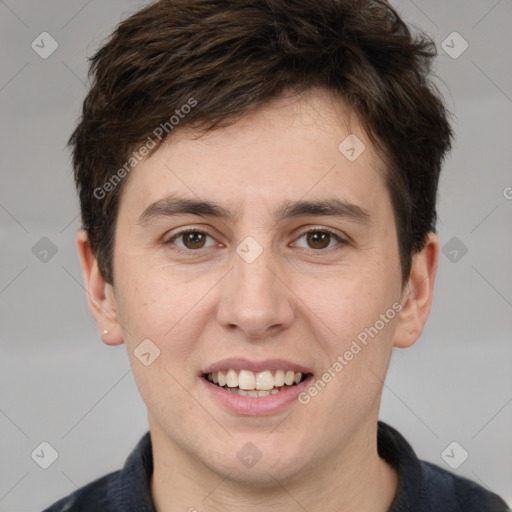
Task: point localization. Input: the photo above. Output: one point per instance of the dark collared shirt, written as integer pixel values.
(422, 487)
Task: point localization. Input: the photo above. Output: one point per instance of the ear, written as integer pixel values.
(100, 294)
(417, 294)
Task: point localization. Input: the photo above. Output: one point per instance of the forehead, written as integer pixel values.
(295, 147)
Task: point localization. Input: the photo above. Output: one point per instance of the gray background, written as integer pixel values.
(60, 384)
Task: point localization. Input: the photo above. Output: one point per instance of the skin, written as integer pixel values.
(298, 300)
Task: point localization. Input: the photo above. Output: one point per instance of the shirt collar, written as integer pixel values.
(131, 490)
(398, 453)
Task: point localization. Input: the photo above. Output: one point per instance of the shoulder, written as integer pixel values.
(426, 487)
(125, 489)
(452, 493)
(91, 497)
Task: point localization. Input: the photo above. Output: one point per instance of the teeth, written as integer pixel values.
(253, 393)
(279, 378)
(264, 380)
(289, 378)
(231, 379)
(246, 379)
(252, 384)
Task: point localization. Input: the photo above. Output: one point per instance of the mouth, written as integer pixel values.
(256, 384)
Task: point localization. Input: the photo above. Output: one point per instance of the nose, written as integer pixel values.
(255, 298)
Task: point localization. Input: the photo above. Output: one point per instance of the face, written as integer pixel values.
(289, 260)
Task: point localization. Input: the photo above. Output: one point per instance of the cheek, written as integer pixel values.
(342, 306)
(354, 341)
(355, 349)
(171, 309)
(153, 309)
(152, 300)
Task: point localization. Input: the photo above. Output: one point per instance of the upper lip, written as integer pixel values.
(240, 363)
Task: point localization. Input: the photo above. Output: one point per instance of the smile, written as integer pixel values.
(255, 384)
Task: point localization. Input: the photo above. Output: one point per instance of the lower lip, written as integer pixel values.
(255, 406)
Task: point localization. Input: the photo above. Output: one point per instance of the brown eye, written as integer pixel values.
(318, 239)
(191, 239)
(194, 240)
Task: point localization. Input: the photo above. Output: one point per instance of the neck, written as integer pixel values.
(356, 480)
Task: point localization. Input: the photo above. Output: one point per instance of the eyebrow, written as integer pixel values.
(331, 207)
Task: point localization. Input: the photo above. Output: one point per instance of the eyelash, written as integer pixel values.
(341, 241)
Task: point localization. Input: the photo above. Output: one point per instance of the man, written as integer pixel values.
(258, 192)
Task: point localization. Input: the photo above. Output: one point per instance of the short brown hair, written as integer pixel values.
(223, 58)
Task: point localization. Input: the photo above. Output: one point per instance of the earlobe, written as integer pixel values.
(100, 294)
(418, 294)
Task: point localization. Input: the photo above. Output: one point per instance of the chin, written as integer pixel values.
(259, 462)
